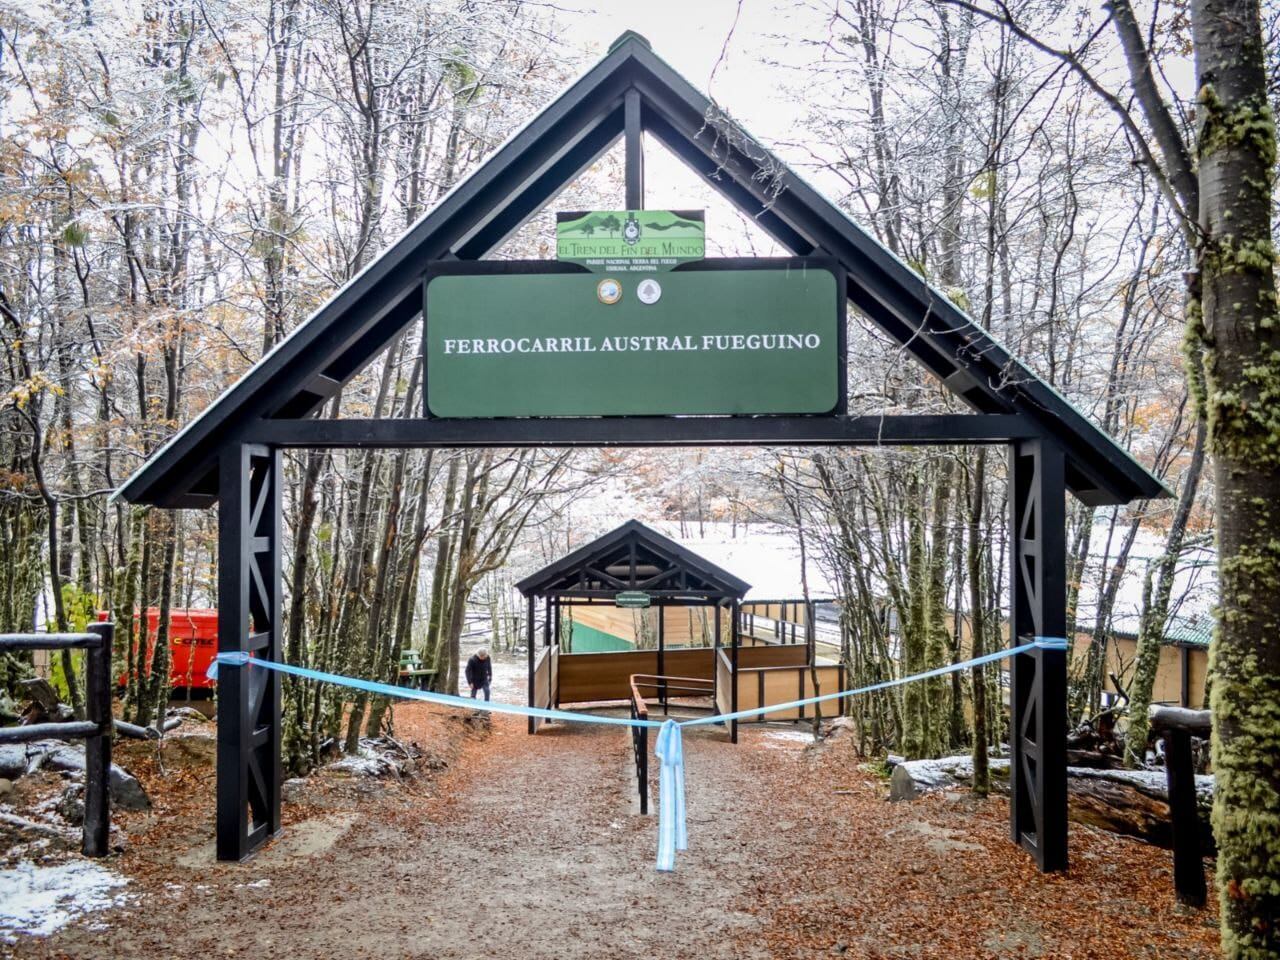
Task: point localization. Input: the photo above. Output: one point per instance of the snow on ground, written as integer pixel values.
(765, 556)
(783, 738)
(37, 900)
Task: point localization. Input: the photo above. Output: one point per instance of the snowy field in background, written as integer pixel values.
(767, 556)
(38, 900)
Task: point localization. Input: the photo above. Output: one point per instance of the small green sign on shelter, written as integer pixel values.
(632, 599)
(630, 241)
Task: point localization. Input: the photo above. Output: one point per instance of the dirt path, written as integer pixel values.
(532, 848)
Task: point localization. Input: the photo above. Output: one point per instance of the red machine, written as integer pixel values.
(193, 641)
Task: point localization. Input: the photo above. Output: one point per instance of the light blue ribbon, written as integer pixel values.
(669, 746)
(672, 829)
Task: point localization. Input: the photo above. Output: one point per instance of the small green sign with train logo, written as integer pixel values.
(631, 241)
(632, 599)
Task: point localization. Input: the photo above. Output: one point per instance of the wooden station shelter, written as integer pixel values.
(229, 457)
(742, 668)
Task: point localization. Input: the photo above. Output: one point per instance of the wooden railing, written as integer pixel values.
(664, 687)
(95, 731)
(640, 745)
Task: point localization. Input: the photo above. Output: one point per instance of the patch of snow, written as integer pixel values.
(363, 764)
(39, 900)
(1152, 782)
(788, 739)
(764, 555)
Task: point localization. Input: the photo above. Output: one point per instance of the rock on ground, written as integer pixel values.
(13, 760)
(126, 791)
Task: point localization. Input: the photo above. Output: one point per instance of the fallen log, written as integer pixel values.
(1133, 803)
(135, 732)
(30, 826)
(1195, 722)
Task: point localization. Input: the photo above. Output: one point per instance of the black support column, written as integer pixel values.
(531, 639)
(1038, 680)
(249, 621)
(633, 138)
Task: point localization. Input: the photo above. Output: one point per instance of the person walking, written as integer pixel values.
(479, 673)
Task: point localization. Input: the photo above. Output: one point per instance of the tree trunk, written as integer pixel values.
(1155, 608)
(1240, 333)
(978, 625)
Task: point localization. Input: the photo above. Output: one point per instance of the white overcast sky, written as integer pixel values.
(690, 35)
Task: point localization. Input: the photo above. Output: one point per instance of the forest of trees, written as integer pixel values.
(182, 183)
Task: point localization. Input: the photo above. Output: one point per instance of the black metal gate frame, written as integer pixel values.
(250, 600)
(231, 454)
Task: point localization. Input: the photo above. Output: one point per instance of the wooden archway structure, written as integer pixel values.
(230, 455)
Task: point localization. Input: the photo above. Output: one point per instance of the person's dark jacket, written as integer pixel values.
(479, 672)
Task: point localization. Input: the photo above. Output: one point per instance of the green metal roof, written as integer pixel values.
(1193, 631)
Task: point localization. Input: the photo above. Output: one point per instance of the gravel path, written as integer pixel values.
(532, 848)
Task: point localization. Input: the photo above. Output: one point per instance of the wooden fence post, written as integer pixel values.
(1175, 726)
(97, 748)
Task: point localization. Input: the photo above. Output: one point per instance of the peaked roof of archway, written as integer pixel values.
(555, 146)
(633, 557)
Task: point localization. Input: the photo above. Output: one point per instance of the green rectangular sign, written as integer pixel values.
(632, 599)
(630, 241)
(518, 340)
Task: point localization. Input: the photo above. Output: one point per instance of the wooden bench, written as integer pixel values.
(412, 672)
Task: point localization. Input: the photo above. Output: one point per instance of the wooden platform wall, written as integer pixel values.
(594, 677)
(684, 626)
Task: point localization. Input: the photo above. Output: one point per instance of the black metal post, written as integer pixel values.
(1188, 865)
(531, 631)
(662, 654)
(633, 137)
(1038, 590)
(733, 700)
(97, 748)
(249, 621)
(640, 750)
(715, 673)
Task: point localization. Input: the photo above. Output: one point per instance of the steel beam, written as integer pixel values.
(634, 140)
(920, 430)
(249, 621)
(1038, 680)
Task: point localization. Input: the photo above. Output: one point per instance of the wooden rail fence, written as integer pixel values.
(96, 730)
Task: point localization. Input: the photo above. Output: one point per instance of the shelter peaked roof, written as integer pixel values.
(359, 320)
(631, 557)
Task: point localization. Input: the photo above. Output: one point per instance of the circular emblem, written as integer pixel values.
(609, 291)
(649, 290)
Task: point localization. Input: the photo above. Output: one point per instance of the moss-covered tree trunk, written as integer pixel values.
(1157, 597)
(1240, 330)
(977, 613)
(915, 733)
(937, 638)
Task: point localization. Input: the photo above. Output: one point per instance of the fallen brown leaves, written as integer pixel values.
(793, 853)
(939, 877)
